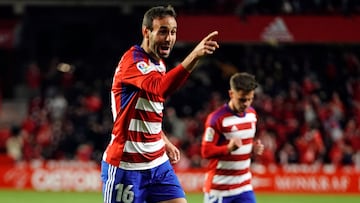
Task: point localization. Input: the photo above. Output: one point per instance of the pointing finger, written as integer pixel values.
(211, 35)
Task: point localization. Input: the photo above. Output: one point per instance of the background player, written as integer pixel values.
(228, 144)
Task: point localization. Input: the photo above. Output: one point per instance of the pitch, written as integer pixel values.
(21, 196)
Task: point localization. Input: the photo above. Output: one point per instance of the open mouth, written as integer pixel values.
(165, 49)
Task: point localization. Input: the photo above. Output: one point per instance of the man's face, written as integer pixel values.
(240, 100)
(163, 37)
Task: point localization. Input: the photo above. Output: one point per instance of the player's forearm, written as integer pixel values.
(212, 151)
(167, 84)
(166, 140)
(189, 63)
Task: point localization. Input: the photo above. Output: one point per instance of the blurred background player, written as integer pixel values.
(228, 143)
(136, 166)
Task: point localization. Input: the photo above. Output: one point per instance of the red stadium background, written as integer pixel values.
(72, 39)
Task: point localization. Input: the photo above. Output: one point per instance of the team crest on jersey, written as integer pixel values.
(144, 68)
(209, 134)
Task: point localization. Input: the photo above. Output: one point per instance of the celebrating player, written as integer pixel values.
(136, 165)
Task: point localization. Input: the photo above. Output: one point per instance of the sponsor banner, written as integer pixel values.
(306, 178)
(51, 176)
(290, 29)
(289, 179)
(85, 176)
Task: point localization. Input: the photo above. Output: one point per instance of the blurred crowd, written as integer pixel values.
(308, 106)
(308, 102)
(273, 7)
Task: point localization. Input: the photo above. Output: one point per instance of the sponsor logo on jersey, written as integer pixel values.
(209, 134)
(144, 68)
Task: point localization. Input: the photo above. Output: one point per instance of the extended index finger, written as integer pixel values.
(211, 35)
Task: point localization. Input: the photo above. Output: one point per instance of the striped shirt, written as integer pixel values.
(139, 89)
(228, 173)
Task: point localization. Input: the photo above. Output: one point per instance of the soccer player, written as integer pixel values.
(136, 165)
(228, 143)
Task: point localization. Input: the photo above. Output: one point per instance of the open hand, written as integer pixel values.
(173, 153)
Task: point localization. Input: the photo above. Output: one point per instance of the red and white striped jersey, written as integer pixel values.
(228, 173)
(140, 87)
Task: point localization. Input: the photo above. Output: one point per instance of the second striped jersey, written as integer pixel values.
(228, 172)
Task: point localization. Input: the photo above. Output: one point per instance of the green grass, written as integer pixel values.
(25, 196)
(292, 198)
(21, 196)
(307, 198)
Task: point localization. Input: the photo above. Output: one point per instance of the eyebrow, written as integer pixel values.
(165, 27)
(245, 99)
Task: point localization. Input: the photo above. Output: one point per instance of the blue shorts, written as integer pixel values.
(139, 186)
(245, 197)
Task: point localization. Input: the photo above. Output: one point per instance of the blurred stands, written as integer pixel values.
(308, 104)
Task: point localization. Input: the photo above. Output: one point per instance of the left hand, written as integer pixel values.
(258, 147)
(206, 46)
(173, 153)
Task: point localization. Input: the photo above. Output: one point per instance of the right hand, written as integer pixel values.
(234, 144)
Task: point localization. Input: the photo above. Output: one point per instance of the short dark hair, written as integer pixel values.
(243, 81)
(157, 12)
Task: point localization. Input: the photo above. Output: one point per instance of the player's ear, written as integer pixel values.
(231, 92)
(145, 32)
